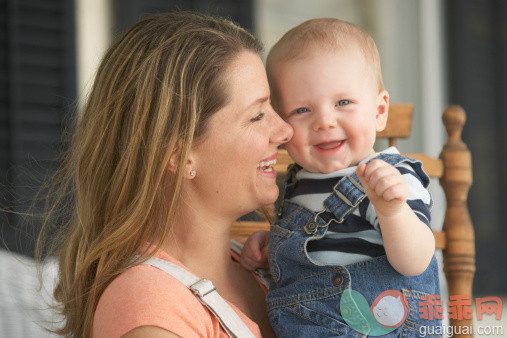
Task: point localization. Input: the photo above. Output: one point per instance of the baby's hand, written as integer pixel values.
(255, 251)
(384, 186)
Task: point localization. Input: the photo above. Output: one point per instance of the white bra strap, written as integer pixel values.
(206, 292)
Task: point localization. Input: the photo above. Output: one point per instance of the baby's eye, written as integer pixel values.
(343, 102)
(302, 110)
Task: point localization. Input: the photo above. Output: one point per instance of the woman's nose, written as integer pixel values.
(282, 132)
(324, 120)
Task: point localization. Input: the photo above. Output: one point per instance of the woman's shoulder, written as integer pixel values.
(146, 296)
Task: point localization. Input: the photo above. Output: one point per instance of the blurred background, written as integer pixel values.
(433, 53)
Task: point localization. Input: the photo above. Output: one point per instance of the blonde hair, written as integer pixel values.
(328, 34)
(155, 90)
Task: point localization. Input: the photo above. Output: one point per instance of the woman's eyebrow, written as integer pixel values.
(258, 101)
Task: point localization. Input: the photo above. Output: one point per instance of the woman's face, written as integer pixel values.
(231, 160)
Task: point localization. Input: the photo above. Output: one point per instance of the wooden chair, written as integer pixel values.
(454, 169)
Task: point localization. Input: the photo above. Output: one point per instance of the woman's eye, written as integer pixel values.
(257, 118)
(343, 102)
(302, 110)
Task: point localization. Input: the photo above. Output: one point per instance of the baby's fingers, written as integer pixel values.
(388, 184)
(248, 263)
(254, 259)
(254, 253)
(397, 191)
(372, 168)
(360, 173)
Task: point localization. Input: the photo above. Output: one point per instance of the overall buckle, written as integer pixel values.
(344, 198)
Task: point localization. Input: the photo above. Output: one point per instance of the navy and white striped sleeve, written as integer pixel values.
(419, 198)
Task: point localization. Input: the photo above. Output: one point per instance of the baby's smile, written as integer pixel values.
(329, 147)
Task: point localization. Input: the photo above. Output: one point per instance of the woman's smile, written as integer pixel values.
(266, 166)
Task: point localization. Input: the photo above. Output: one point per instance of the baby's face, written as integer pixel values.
(332, 101)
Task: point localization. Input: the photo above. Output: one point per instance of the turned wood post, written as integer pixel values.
(459, 255)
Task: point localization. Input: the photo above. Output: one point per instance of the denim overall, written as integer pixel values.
(304, 295)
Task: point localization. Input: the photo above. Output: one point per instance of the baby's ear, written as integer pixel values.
(382, 110)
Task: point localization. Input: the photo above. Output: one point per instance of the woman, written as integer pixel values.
(165, 156)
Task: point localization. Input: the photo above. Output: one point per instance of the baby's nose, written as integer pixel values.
(324, 120)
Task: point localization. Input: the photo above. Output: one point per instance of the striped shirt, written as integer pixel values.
(358, 238)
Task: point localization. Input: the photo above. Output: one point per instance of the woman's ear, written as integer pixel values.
(189, 170)
(382, 110)
(175, 158)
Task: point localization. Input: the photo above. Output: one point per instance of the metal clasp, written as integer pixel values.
(344, 198)
(202, 287)
(310, 228)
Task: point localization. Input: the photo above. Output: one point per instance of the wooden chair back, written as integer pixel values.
(453, 168)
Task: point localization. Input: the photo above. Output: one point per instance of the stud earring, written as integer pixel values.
(192, 172)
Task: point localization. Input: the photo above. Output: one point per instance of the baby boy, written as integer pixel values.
(351, 218)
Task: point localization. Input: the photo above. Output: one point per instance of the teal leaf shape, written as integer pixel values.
(356, 312)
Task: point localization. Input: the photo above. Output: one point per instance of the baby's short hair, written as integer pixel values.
(324, 34)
